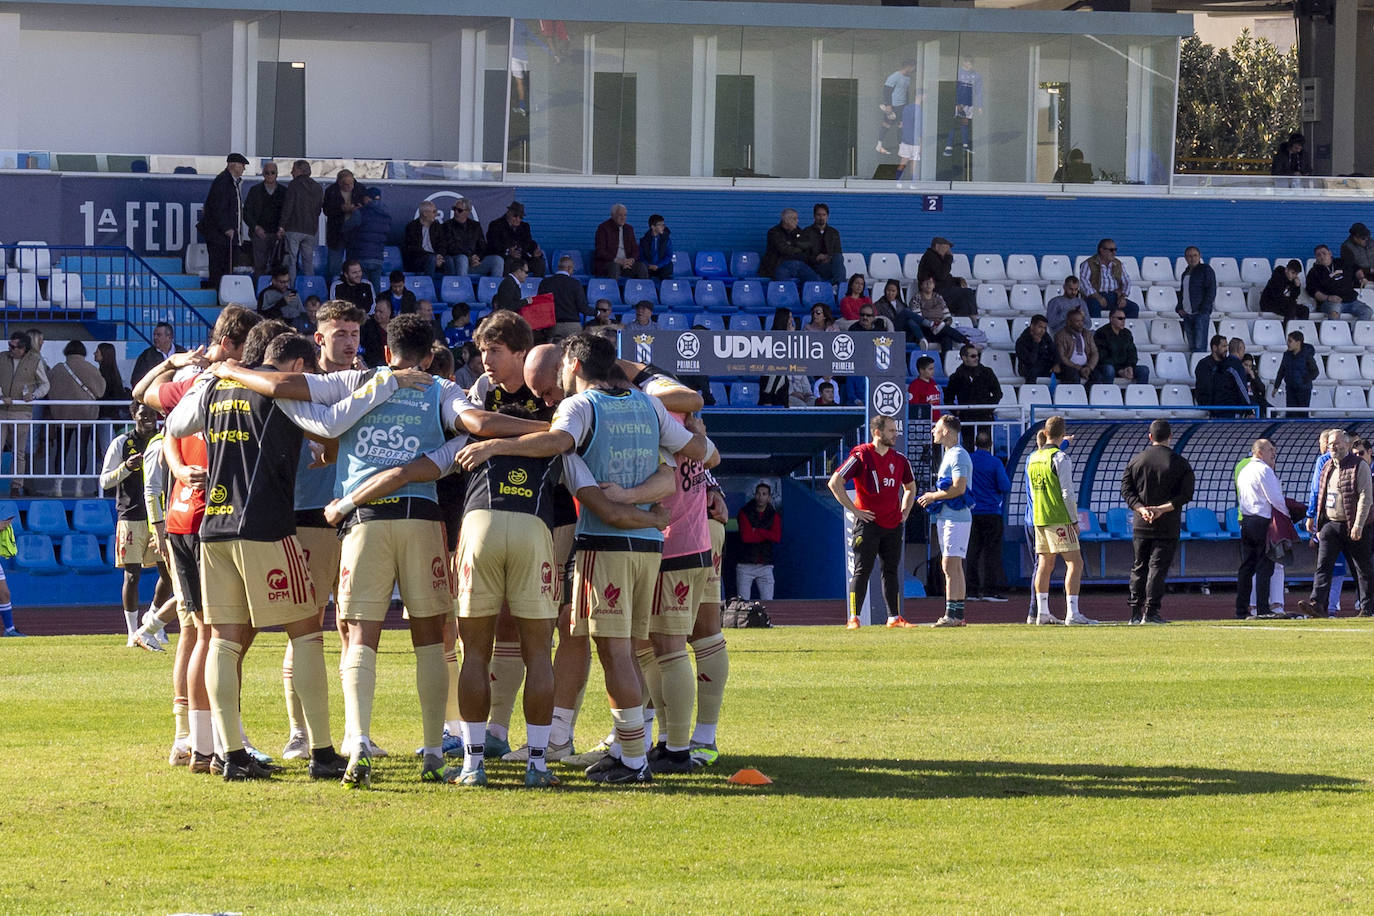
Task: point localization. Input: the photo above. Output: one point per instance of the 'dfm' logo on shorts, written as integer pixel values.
(276, 585)
(436, 568)
(680, 592)
(612, 596)
(546, 578)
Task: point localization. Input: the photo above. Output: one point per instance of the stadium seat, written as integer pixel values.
(719, 394)
(746, 322)
(1156, 269)
(1140, 332)
(1179, 397)
(604, 288)
(1070, 396)
(999, 361)
(1255, 271)
(90, 516)
(1349, 397)
(710, 295)
(989, 268)
(781, 294)
(639, 290)
(1335, 335)
(81, 552)
(748, 294)
(993, 298)
(916, 355)
(1200, 523)
(64, 291)
(1227, 271)
(46, 516)
(579, 266)
(1168, 334)
(1021, 268)
(233, 288)
(682, 265)
(391, 258)
(712, 264)
(454, 290)
(1322, 398)
(319, 263)
(1161, 300)
(960, 267)
(1308, 328)
(1267, 333)
(1180, 265)
(1141, 396)
(855, 263)
(1026, 299)
(1092, 530)
(951, 360)
(35, 555)
(963, 321)
(677, 294)
(998, 332)
(1054, 268)
(1366, 373)
(487, 286)
(197, 262)
(814, 291)
(1033, 395)
(9, 509)
(1053, 290)
(263, 282)
(744, 264)
(884, 265)
(34, 259)
(1342, 367)
(529, 288)
(1019, 324)
(310, 285)
(1230, 299)
(673, 321)
(422, 285)
(744, 394)
(1008, 408)
(709, 320)
(1234, 327)
(1108, 401)
(1120, 521)
(1269, 364)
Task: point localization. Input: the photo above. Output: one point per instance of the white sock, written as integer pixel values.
(131, 621)
(497, 731)
(474, 743)
(648, 729)
(243, 734)
(1042, 604)
(562, 725)
(704, 733)
(453, 726)
(1073, 606)
(217, 740)
(537, 737)
(202, 733)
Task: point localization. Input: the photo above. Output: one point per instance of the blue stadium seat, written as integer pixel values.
(422, 286)
(35, 555)
(709, 321)
(1094, 532)
(486, 289)
(46, 516)
(9, 509)
(674, 321)
(263, 282)
(391, 259)
(579, 267)
(1200, 523)
(746, 323)
(81, 552)
(744, 394)
(1119, 523)
(1233, 524)
(309, 285)
(941, 377)
(319, 263)
(475, 318)
(782, 294)
(677, 294)
(455, 289)
(92, 516)
(710, 294)
(719, 394)
(712, 264)
(530, 287)
(744, 264)
(748, 294)
(604, 288)
(814, 291)
(639, 290)
(682, 264)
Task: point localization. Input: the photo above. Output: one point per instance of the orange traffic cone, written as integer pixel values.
(750, 777)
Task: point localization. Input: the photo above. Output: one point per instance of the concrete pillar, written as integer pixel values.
(1330, 55)
(224, 85)
(9, 80)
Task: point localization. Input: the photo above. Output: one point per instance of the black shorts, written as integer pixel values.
(185, 565)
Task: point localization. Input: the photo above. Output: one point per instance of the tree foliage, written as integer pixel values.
(1235, 103)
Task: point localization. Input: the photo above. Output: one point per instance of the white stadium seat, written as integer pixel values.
(1335, 335)
(1269, 365)
(962, 321)
(998, 332)
(1323, 398)
(1019, 324)
(1021, 268)
(1227, 271)
(64, 291)
(911, 265)
(1156, 269)
(1140, 331)
(854, 263)
(1070, 396)
(1026, 298)
(1141, 396)
(1167, 333)
(198, 260)
(1267, 333)
(989, 268)
(1161, 299)
(992, 298)
(1172, 366)
(1107, 399)
(1230, 299)
(1179, 397)
(1180, 265)
(35, 260)
(1008, 408)
(952, 360)
(884, 265)
(1034, 396)
(1255, 271)
(1308, 328)
(1132, 268)
(1233, 327)
(1349, 397)
(22, 289)
(1367, 368)
(1053, 290)
(238, 289)
(999, 361)
(1054, 268)
(1343, 367)
(960, 267)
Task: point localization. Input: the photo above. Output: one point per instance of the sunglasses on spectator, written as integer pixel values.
(603, 311)
(865, 314)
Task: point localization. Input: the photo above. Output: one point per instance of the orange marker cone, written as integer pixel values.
(750, 777)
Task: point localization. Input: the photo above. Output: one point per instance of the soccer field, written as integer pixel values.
(1189, 768)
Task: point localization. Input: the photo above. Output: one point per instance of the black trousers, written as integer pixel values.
(219, 248)
(1256, 566)
(1153, 557)
(984, 563)
(1334, 538)
(874, 542)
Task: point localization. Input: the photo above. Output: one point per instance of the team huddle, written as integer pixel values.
(566, 490)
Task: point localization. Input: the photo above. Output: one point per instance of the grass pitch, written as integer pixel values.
(1190, 768)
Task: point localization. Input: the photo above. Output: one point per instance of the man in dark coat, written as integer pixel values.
(510, 237)
(938, 262)
(1155, 485)
(616, 253)
(340, 200)
(785, 254)
(222, 217)
(822, 242)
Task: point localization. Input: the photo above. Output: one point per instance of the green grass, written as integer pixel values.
(999, 769)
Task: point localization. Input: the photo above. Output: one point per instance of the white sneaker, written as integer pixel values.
(587, 758)
(297, 748)
(554, 753)
(180, 756)
(1078, 620)
(143, 641)
(1030, 618)
(1047, 620)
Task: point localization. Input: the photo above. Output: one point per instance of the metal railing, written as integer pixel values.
(51, 456)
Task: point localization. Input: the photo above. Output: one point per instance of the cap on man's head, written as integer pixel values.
(238, 158)
(940, 240)
(517, 208)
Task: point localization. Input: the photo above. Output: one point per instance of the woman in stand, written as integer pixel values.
(854, 298)
(784, 390)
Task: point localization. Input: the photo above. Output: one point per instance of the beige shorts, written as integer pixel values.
(506, 557)
(322, 548)
(1056, 538)
(265, 583)
(676, 601)
(381, 554)
(613, 593)
(712, 593)
(133, 544)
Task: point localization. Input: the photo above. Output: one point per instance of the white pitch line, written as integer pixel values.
(1222, 626)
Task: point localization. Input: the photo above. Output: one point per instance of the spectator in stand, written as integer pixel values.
(163, 347)
(923, 394)
(509, 294)
(1297, 372)
(469, 360)
(786, 254)
(615, 253)
(22, 381)
(401, 300)
(365, 235)
(929, 319)
(1116, 353)
(1280, 295)
(1106, 285)
(760, 528)
(424, 245)
(822, 243)
(1254, 384)
(1219, 380)
(889, 305)
(656, 249)
(973, 383)
(783, 390)
(1236, 347)
(300, 219)
(1077, 351)
(869, 321)
(115, 390)
(1289, 159)
(821, 319)
(222, 218)
(1357, 256)
(644, 318)
(75, 379)
(938, 262)
(1333, 288)
(1075, 169)
(262, 210)
(1036, 355)
(569, 299)
(340, 200)
(991, 486)
(306, 322)
(458, 331)
(510, 237)
(1058, 308)
(466, 245)
(372, 335)
(278, 299)
(603, 316)
(826, 395)
(1197, 294)
(854, 297)
(425, 309)
(352, 287)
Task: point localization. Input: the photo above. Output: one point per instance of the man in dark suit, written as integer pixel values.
(569, 300)
(424, 245)
(616, 253)
(510, 237)
(1156, 484)
(508, 294)
(222, 218)
(162, 348)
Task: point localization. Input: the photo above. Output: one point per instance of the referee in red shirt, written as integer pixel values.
(886, 491)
